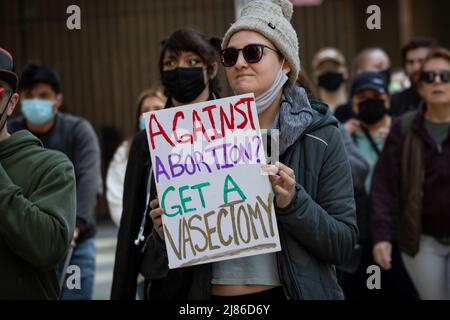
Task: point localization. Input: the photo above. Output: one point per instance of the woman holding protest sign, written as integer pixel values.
(314, 202)
(188, 67)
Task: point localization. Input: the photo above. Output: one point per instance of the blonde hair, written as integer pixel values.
(157, 92)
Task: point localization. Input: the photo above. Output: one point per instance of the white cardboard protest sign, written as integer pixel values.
(206, 161)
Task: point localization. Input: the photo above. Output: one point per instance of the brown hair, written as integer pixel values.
(416, 43)
(439, 53)
(304, 81)
(194, 41)
(147, 93)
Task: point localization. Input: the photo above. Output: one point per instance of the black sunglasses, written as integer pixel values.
(252, 53)
(430, 76)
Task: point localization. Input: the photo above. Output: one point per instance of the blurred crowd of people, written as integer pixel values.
(363, 178)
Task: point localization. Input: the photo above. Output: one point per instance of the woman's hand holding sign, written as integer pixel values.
(283, 183)
(156, 215)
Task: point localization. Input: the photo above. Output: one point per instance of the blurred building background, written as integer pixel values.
(114, 56)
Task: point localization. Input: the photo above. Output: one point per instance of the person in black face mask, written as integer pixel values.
(368, 60)
(370, 103)
(331, 74)
(188, 67)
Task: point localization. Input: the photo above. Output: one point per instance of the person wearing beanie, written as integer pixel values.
(313, 190)
(37, 204)
(314, 202)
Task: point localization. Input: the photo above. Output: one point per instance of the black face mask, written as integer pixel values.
(386, 74)
(184, 84)
(331, 81)
(371, 111)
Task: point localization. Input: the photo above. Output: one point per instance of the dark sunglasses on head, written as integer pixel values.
(430, 76)
(252, 53)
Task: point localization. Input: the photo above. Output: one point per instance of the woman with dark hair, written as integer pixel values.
(188, 67)
(188, 55)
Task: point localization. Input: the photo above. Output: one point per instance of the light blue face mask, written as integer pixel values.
(266, 99)
(37, 111)
(141, 123)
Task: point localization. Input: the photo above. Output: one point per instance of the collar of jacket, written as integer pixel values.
(418, 125)
(294, 116)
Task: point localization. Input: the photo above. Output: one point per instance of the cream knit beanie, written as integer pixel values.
(271, 18)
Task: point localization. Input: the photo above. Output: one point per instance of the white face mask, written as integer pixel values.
(266, 99)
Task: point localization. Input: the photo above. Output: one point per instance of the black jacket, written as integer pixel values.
(404, 101)
(128, 254)
(389, 194)
(317, 230)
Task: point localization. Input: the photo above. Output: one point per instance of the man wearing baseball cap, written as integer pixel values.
(37, 204)
(331, 74)
(9, 84)
(40, 98)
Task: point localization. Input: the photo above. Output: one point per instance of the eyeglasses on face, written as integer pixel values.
(252, 53)
(430, 76)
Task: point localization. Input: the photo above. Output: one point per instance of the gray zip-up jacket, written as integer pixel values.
(317, 230)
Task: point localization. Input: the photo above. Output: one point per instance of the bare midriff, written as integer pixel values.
(237, 290)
